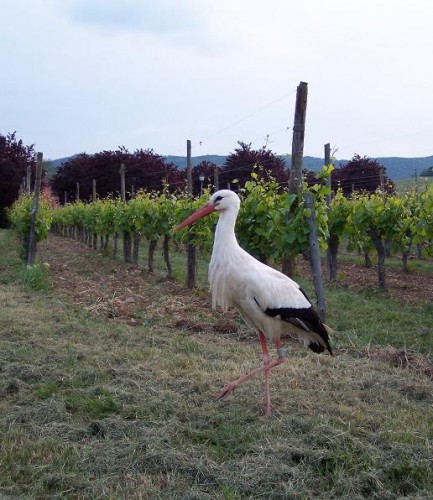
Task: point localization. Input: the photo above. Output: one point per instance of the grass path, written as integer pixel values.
(108, 384)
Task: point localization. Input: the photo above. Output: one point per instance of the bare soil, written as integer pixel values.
(407, 287)
(125, 293)
(118, 290)
(121, 402)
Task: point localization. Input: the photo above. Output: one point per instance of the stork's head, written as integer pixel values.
(222, 200)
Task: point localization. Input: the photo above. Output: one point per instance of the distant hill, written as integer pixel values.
(53, 165)
(396, 168)
(404, 168)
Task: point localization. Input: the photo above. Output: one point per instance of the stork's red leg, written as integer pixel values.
(266, 362)
(267, 365)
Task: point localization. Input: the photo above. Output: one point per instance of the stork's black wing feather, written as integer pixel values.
(307, 319)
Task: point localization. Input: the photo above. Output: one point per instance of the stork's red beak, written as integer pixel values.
(198, 214)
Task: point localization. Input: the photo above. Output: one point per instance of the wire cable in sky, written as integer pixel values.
(247, 116)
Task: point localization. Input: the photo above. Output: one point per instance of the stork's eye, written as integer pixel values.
(218, 198)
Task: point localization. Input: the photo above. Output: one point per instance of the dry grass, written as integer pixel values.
(95, 405)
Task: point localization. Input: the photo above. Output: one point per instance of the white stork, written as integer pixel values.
(269, 301)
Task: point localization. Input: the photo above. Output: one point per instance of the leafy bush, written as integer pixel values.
(20, 217)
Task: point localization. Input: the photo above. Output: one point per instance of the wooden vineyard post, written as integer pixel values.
(189, 166)
(31, 247)
(28, 179)
(295, 180)
(316, 266)
(382, 181)
(94, 236)
(216, 182)
(122, 182)
(126, 234)
(191, 250)
(333, 240)
(327, 163)
(22, 189)
(387, 242)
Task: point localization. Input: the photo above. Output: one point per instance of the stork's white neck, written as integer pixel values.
(225, 257)
(225, 237)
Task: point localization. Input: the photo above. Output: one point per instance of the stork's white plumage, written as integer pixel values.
(269, 301)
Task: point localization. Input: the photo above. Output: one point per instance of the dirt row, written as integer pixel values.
(128, 294)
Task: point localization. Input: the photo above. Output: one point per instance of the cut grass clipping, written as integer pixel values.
(95, 407)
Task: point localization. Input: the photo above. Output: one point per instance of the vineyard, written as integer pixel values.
(108, 373)
(272, 225)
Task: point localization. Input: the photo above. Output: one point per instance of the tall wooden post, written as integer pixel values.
(94, 190)
(191, 250)
(333, 240)
(295, 180)
(31, 250)
(126, 234)
(316, 267)
(28, 179)
(382, 180)
(327, 163)
(22, 189)
(189, 167)
(122, 182)
(216, 181)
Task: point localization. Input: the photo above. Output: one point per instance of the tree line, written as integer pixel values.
(148, 170)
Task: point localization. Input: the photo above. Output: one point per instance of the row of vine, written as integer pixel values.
(272, 224)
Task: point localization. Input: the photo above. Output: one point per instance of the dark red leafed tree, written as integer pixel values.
(144, 170)
(360, 174)
(175, 178)
(148, 170)
(244, 160)
(15, 157)
(77, 169)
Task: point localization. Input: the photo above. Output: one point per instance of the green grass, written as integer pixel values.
(36, 277)
(12, 267)
(94, 408)
(98, 403)
(366, 318)
(421, 265)
(361, 319)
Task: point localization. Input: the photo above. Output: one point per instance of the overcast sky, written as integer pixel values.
(88, 75)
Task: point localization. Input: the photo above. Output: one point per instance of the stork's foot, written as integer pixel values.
(227, 390)
(230, 387)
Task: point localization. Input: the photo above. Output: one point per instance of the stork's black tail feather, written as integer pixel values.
(306, 319)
